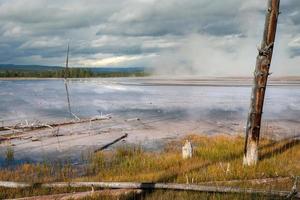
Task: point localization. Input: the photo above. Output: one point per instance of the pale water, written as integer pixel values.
(46, 99)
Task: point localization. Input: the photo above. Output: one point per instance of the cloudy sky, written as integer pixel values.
(203, 37)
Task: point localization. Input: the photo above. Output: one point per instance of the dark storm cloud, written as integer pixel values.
(153, 18)
(175, 33)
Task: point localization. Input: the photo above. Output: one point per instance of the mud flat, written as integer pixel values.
(75, 142)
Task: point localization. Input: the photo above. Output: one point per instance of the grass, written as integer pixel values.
(9, 155)
(216, 158)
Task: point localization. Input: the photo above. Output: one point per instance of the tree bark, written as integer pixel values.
(263, 62)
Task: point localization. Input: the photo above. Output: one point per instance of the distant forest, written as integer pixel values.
(72, 73)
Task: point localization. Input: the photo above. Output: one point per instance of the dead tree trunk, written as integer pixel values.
(263, 62)
(66, 81)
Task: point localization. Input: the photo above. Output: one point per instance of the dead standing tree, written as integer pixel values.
(66, 75)
(263, 62)
(66, 80)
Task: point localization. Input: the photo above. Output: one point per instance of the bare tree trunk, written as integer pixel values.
(66, 81)
(263, 62)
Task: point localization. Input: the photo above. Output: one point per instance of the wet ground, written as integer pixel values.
(152, 112)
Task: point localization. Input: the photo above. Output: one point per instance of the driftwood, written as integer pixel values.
(111, 143)
(151, 186)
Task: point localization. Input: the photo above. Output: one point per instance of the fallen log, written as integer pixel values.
(251, 181)
(111, 143)
(52, 125)
(83, 195)
(152, 186)
(8, 184)
(20, 131)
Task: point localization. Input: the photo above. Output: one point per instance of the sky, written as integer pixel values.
(180, 37)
